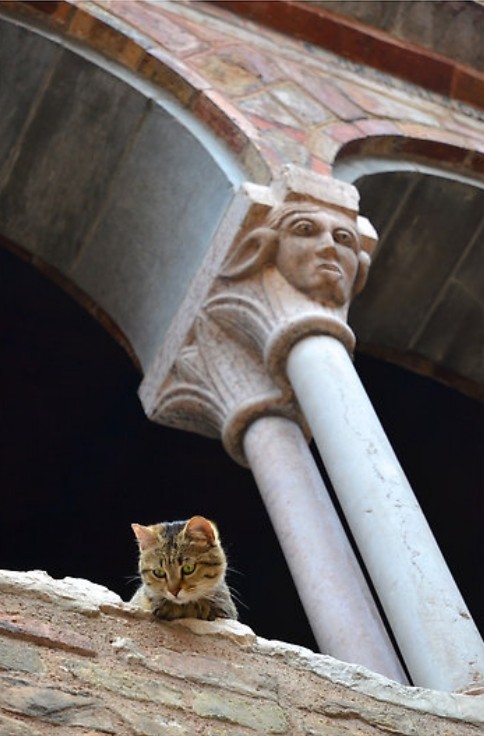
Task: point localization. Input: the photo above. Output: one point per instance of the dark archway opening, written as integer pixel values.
(79, 461)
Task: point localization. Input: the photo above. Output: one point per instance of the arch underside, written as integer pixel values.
(116, 192)
(423, 304)
(106, 183)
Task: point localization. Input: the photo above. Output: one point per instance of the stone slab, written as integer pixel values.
(461, 348)
(164, 207)
(19, 50)
(69, 153)
(419, 249)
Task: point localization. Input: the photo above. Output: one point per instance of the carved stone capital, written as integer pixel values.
(284, 265)
(218, 385)
(266, 312)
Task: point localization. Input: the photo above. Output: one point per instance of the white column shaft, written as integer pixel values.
(439, 641)
(335, 595)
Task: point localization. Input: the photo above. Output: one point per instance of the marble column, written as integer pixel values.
(331, 586)
(263, 333)
(438, 639)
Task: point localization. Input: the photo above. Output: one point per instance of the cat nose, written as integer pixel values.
(174, 588)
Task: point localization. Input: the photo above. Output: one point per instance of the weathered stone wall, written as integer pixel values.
(75, 660)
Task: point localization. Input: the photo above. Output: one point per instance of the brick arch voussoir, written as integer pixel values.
(430, 146)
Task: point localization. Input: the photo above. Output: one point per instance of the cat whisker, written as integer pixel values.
(132, 578)
(236, 596)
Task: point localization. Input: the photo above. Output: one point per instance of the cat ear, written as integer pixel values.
(145, 536)
(200, 528)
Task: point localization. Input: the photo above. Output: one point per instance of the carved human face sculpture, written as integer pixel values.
(318, 255)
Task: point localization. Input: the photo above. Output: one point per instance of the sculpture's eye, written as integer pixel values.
(158, 572)
(188, 568)
(344, 237)
(302, 227)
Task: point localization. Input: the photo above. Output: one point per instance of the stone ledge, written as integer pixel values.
(213, 671)
(76, 593)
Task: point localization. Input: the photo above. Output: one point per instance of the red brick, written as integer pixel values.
(300, 104)
(233, 112)
(173, 75)
(226, 122)
(322, 89)
(211, 36)
(326, 142)
(265, 106)
(262, 124)
(105, 38)
(241, 61)
(154, 23)
(383, 106)
(334, 99)
(475, 162)
(229, 72)
(468, 86)
(320, 167)
(342, 132)
(57, 13)
(377, 127)
(271, 155)
(427, 144)
(323, 147)
(415, 142)
(424, 132)
(44, 634)
(289, 149)
(60, 12)
(349, 38)
(464, 126)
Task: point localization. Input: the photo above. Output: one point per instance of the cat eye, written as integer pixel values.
(188, 568)
(158, 572)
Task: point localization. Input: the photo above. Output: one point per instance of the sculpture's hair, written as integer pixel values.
(182, 567)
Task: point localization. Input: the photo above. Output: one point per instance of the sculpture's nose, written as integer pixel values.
(325, 243)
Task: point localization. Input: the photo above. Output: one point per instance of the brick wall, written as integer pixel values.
(75, 660)
(274, 99)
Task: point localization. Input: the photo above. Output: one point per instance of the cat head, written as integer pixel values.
(180, 560)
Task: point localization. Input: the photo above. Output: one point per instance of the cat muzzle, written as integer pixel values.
(174, 589)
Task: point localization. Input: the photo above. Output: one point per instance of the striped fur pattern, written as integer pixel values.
(182, 567)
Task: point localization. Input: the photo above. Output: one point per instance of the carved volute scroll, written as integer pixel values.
(300, 254)
(218, 386)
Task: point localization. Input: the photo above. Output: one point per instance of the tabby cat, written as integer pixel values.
(182, 567)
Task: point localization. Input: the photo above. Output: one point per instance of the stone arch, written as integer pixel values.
(444, 150)
(106, 182)
(422, 306)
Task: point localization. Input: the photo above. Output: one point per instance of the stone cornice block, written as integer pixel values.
(295, 183)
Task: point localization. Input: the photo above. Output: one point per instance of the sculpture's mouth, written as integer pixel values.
(329, 266)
